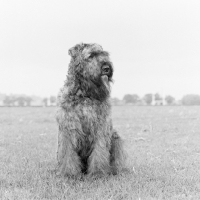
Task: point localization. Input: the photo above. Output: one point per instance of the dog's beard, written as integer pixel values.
(98, 88)
(105, 81)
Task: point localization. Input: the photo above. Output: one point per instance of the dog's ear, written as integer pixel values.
(73, 51)
(76, 50)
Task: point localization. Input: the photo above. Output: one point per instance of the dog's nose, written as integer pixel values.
(106, 69)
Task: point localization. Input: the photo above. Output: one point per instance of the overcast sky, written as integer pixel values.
(154, 44)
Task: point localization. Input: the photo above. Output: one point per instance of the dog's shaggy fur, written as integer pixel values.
(87, 142)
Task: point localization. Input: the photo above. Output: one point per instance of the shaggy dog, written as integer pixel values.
(87, 142)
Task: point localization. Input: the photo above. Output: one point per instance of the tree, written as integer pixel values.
(7, 101)
(28, 101)
(52, 99)
(45, 101)
(128, 98)
(191, 99)
(135, 98)
(13, 99)
(148, 98)
(115, 101)
(169, 99)
(21, 101)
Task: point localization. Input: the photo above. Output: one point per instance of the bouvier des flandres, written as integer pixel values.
(87, 142)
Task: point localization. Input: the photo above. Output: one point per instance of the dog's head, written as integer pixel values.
(90, 71)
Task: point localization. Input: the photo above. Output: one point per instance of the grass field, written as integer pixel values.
(163, 144)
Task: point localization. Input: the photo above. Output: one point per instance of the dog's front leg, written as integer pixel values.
(69, 163)
(70, 132)
(99, 160)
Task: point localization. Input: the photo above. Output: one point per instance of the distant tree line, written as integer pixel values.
(157, 99)
(133, 99)
(24, 100)
(191, 99)
(148, 99)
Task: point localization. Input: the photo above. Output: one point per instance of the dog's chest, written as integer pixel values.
(93, 116)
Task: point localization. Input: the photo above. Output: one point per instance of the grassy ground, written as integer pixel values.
(163, 144)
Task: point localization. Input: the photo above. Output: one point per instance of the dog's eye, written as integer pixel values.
(92, 55)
